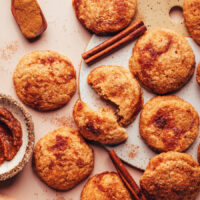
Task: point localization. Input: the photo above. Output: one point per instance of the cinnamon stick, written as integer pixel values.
(126, 177)
(113, 43)
(128, 186)
(113, 39)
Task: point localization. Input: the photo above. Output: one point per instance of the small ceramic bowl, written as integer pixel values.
(9, 169)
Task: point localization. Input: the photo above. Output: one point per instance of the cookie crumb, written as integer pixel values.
(63, 121)
(9, 50)
(133, 151)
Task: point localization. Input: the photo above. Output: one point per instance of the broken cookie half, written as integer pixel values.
(117, 85)
(100, 126)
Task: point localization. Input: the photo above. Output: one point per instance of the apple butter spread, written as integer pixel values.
(10, 135)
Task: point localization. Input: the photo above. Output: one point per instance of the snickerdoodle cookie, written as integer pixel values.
(171, 175)
(44, 80)
(168, 123)
(98, 125)
(105, 186)
(162, 61)
(191, 13)
(62, 159)
(116, 84)
(105, 16)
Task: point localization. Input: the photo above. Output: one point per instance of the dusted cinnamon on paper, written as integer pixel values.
(29, 17)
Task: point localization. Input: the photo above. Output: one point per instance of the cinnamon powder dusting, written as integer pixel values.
(63, 121)
(9, 50)
(133, 149)
(60, 145)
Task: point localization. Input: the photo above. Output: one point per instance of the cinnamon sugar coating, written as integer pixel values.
(171, 175)
(191, 13)
(100, 126)
(62, 159)
(117, 85)
(44, 80)
(168, 123)
(105, 186)
(162, 61)
(105, 16)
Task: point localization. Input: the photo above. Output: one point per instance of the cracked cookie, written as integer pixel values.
(117, 85)
(100, 126)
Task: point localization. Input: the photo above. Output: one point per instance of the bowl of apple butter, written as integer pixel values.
(16, 137)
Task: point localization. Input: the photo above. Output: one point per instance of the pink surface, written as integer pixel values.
(64, 35)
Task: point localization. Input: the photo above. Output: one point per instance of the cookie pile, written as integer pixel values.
(162, 62)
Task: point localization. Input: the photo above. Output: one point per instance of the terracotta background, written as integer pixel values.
(64, 35)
